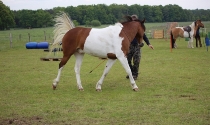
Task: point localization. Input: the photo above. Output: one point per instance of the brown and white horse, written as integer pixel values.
(111, 42)
(185, 32)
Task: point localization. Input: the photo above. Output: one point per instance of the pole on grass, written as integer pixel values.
(44, 36)
(29, 37)
(171, 43)
(10, 37)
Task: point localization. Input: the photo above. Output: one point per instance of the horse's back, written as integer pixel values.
(100, 42)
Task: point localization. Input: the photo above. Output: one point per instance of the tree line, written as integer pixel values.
(84, 14)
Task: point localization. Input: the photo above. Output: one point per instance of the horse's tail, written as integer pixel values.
(63, 24)
(172, 40)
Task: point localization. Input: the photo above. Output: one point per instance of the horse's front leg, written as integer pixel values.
(108, 66)
(125, 65)
(77, 67)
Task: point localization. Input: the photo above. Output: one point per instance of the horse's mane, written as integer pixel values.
(196, 21)
(129, 19)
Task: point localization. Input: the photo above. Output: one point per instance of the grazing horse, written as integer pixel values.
(111, 42)
(185, 32)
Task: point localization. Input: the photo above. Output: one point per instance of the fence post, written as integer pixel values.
(44, 36)
(10, 37)
(29, 37)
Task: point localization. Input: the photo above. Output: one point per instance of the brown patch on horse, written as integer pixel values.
(177, 32)
(71, 44)
(111, 56)
(77, 42)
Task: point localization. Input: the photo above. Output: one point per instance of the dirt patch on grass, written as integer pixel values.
(22, 121)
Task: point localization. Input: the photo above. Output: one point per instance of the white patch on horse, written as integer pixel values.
(103, 41)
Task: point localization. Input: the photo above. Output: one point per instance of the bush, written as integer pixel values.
(76, 23)
(87, 23)
(95, 23)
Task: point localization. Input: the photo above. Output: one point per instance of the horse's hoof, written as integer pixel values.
(98, 90)
(135, 89)
(81, 89)
(54, 87)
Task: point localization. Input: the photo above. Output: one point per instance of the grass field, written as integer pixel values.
(173, 86)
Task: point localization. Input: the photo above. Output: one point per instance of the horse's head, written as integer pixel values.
(199, 24)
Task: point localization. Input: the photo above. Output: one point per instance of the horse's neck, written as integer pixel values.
(130, 35)
(195, 27)
(192, 25)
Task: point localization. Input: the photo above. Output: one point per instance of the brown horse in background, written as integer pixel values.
(111, 42)
(185, 32)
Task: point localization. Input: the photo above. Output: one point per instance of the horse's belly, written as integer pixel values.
(186, 34)
(95, 50)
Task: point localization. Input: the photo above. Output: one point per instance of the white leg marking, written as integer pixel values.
(56, 80)
(191, 42)
(108, 66)
(189, 46)
(175, 45)
(77, 67)
(125, 65)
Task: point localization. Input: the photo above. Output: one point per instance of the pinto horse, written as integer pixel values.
(185, 32)
(111, 42)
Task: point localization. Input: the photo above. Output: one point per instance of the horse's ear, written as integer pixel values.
(130, 18)
(143, 21)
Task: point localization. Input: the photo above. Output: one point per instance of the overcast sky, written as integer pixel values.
(50, 4)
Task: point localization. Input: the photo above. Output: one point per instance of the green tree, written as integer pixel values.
(42, 19)
(27, 18)
(133, 9)
(141, 12)
(148, 13)
(6, 17)
(157, 14)
(165, 12)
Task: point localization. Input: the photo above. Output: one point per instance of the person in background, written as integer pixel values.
(134, 53)
(198, 38)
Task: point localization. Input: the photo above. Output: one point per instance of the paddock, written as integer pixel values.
(173, 89)
(173, 86)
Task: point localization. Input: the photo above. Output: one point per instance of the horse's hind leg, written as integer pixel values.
(61, 65)
(173, 40)
(77, 67)
(108, 66)
(190, 43)
(174, 45)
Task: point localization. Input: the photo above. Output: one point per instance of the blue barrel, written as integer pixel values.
(42, 45)
(207, 41)
(31, 45)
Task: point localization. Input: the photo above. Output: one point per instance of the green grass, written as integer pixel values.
(173, 86)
